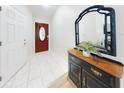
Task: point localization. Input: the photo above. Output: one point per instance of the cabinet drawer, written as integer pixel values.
(101, 75)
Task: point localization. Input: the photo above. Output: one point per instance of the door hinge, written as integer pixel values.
(0, 43)
(0, 78)
(0, 8)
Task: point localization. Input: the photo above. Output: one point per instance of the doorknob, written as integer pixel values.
(47, 37)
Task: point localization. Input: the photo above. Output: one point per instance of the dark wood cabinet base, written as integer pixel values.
(85, 75)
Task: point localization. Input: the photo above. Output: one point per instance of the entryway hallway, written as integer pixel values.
(42, 69)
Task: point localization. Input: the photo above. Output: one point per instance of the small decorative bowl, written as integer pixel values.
(86, 53)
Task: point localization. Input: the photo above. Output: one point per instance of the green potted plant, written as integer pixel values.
(88, 48)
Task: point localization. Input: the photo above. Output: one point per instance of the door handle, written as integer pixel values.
(96, 72)
(47, 37)
(24, 41)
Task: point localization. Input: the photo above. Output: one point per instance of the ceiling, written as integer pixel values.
(43, 11)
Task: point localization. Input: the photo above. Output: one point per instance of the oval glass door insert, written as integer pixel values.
(42, 34)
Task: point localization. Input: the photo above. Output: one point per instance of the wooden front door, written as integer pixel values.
(41, 37)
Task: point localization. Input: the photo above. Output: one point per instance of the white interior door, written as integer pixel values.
(12, 50)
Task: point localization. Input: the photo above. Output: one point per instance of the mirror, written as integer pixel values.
(97, 25)
(42, 34)
(91, 29)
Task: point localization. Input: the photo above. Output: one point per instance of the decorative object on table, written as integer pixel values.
(88, 48)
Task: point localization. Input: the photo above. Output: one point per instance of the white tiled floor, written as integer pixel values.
(43, 69)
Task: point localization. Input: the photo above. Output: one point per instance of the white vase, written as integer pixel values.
(86, 54)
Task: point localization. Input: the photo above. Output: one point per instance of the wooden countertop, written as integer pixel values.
(103, 64)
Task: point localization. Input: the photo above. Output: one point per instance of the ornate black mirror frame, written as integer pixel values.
(110, 36)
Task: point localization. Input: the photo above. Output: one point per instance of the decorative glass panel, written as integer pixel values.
(42, 34)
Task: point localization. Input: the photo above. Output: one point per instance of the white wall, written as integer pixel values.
(63, 37)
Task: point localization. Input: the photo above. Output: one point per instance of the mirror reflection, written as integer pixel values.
(91, 28)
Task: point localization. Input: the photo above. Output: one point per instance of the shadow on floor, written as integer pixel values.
(62, 82)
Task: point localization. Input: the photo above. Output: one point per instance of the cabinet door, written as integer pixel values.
(89, 81)
(75, 73)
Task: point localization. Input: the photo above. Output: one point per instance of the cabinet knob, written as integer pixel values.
(83, 81)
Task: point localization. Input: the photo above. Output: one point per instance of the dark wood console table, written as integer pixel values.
(93, 73)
